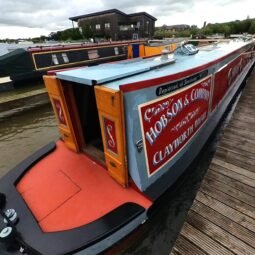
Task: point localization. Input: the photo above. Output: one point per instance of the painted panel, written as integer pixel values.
(110, 115)
(170, 122)
(110, 135)
(175, 116)
(227, 75)
(59, 111)
(136, 53)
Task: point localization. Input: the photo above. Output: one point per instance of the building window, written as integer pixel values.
(107, 25)
(92, 54)
(135, 36)
(125, 27)
(65, 58)
(116, 50)
(54, 59)
(138, 24)
(98, 26)
(147, 26)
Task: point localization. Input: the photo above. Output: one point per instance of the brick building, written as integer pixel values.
(117, 25)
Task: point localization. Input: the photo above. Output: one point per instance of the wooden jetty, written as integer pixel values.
(222, 217)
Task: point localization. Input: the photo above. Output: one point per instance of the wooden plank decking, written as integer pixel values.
(222, 217)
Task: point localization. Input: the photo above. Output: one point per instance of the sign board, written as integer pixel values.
(168, 123)
(110, 135)
(59, 111)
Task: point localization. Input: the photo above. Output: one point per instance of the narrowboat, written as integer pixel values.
(34, 61)
(128, 130)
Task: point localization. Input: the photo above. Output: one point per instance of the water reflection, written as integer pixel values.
(23, 134)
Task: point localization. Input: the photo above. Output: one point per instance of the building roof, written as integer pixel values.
(76, 18)
(142, 13)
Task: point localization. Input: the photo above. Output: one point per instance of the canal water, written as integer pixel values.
(26, 131)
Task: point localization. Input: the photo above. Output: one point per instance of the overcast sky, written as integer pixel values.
(30, 18)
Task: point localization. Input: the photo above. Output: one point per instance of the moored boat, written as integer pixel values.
(128, 130)
(34, 61)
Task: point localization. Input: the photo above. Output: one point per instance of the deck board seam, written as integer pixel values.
(214, 241)
(236, 209)
(227, 207)
(211, 177)
(242, 193)
(189, 219)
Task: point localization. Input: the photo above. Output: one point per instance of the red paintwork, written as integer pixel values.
(225, 78)
(169, 123)
(110, 135)
(66, 190)
(173, 77)
(59, 111)
(54, 72)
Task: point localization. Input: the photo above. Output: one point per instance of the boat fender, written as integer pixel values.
(11, 215)
(7, 235)
(2, 200)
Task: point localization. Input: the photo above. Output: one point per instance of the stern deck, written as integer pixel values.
(66, 190)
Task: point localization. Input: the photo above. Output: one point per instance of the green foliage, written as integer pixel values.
(227, 28)
(169, 34)
(66, 35)
(233, 27)
(252, 27)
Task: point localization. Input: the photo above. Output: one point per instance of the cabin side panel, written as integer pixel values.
(160, 125)
(60, 108)
(150, 50)
(163, 122)
(109, 106)
(85, 56)
(226, 76)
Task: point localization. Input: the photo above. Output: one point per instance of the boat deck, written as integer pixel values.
(222, 217)
(66, 190)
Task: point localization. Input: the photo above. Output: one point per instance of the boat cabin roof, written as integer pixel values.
(112, 75)
(108, 72)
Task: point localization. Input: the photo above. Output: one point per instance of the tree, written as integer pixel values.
(207, 30)
(252, 27)
(194, 30)
(66, 35)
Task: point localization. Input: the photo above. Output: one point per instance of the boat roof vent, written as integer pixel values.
(186, 49)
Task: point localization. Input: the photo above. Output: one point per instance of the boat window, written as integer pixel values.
(116, 50)
(65, 58)
(55, 59)
(92, 54)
